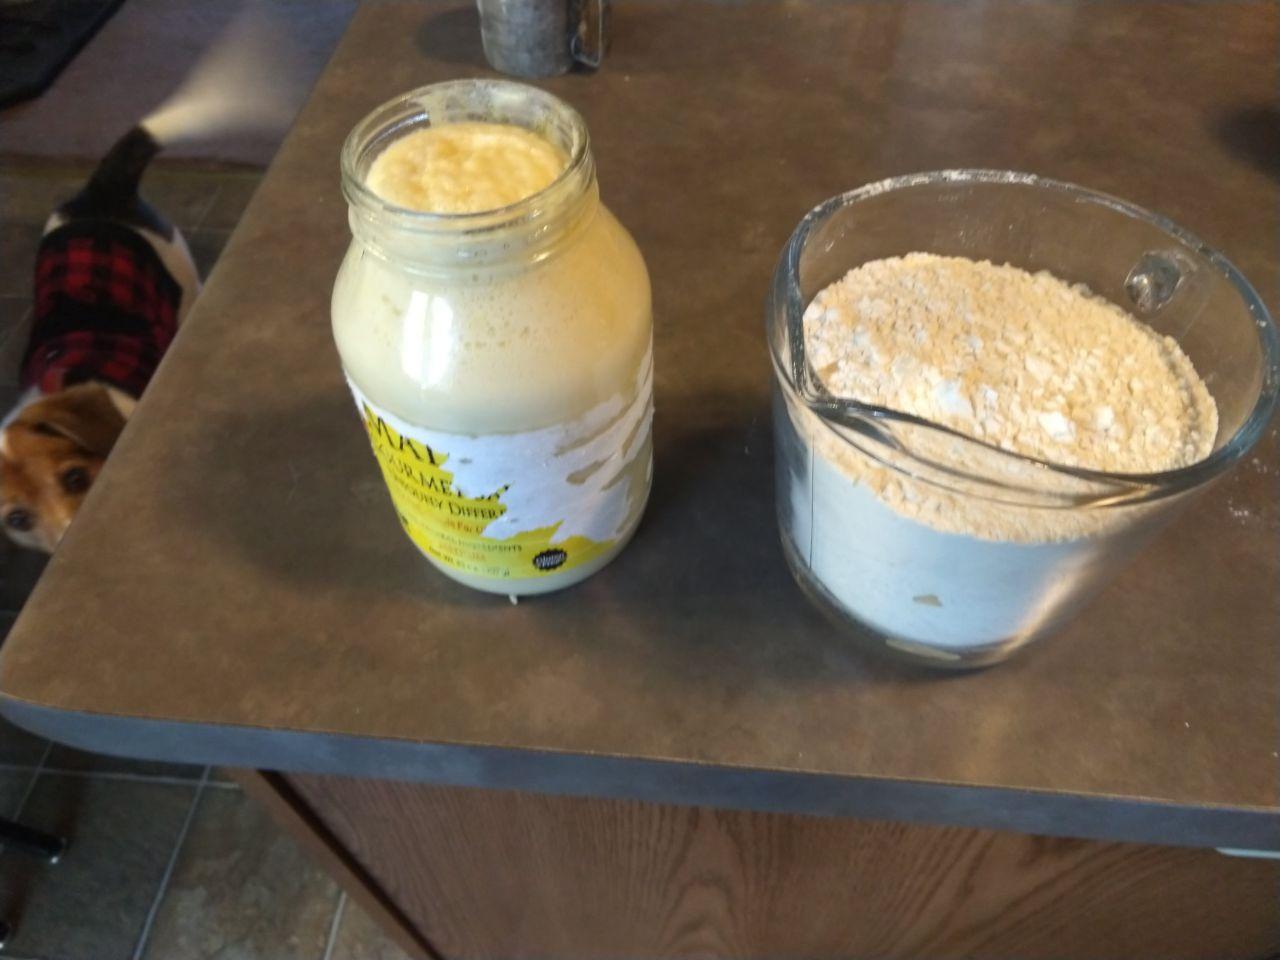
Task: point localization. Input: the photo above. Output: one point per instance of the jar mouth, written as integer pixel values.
(493, 101)
(885, 428)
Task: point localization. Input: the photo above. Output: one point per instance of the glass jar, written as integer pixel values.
(501, 361)
(935, 584)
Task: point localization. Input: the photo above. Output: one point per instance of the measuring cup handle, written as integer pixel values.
(591, 39)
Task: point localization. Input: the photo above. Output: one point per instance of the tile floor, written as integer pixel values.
(166, 862)
(149, 48)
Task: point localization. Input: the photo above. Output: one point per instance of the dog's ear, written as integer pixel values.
(83, 414)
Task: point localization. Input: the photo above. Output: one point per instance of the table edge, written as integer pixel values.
(682, 783)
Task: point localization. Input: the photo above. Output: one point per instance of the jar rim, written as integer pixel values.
(390, 116)
(1123, 488)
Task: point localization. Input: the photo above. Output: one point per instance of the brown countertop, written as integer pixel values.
(237, 590)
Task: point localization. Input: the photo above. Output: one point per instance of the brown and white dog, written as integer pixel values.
(114, 279)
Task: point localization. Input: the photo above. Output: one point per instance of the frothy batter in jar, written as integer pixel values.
(465, 167)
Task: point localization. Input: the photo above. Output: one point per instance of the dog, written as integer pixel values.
(114, 280)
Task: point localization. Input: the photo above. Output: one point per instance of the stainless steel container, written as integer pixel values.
(543, 38)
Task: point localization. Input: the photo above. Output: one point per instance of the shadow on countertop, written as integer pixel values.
(1253, 133)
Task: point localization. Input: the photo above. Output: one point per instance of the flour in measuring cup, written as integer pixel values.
(1024, 362)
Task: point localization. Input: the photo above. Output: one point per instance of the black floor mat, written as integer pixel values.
(39, 37)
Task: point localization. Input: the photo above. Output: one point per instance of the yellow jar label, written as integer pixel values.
(511, 506)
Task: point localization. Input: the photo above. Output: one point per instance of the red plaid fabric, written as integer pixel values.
(106, 309)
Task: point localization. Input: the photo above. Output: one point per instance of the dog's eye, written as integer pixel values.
(20, 520)
(75, 480)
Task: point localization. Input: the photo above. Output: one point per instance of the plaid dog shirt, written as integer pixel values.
(106, 309)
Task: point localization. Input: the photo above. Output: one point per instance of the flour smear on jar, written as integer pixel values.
(1024, 362)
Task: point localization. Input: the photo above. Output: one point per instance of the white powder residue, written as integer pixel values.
(1239, 513)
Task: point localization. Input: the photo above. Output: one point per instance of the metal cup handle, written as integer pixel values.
(591, 39)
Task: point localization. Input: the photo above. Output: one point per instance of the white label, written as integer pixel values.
(516, 505)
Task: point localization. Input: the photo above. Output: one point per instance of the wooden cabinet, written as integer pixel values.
(480, 874)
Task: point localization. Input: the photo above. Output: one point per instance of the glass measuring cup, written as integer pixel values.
(935, 592)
